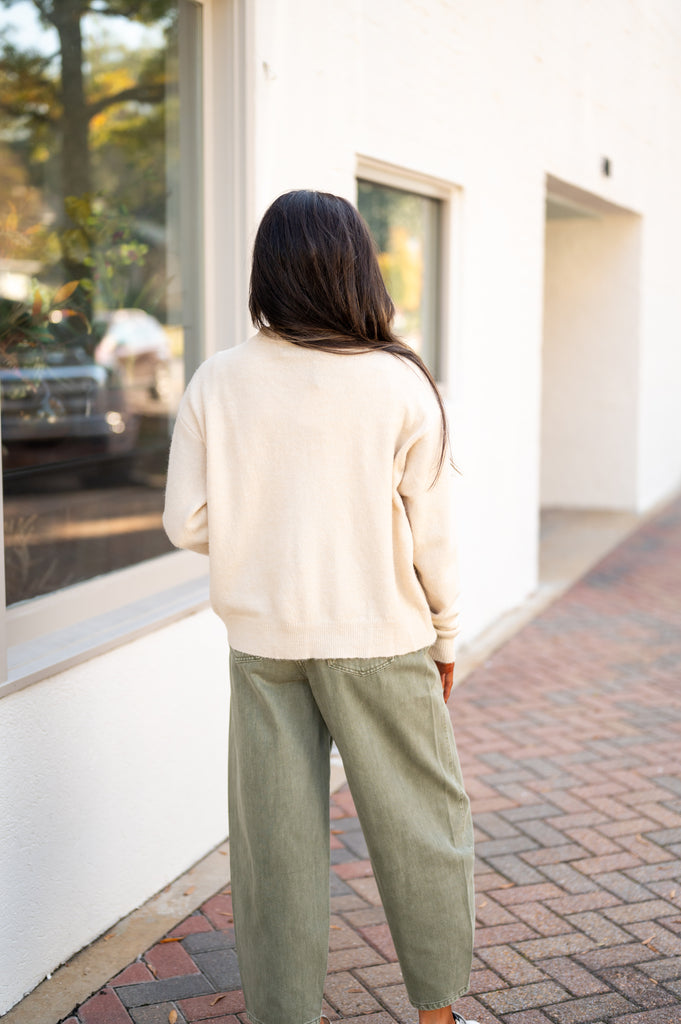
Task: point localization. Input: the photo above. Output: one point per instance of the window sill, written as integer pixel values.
(38, 653)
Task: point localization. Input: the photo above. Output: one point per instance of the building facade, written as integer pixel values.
(518, 164)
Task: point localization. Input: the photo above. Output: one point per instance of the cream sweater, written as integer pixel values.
(306, 476)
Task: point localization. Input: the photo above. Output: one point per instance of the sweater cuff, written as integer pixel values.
(444, 650)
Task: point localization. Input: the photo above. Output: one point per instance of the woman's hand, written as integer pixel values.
(446, 670)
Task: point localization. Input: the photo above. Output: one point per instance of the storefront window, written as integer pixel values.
(94, 332)
(406, 227)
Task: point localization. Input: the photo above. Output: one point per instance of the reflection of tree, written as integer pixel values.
(402, 267)
(396, 219)
(88, 130)
(43, 99)
(382, 207)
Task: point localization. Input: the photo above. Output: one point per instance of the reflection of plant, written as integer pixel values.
(28, 326)
(103, 240)
(19, 332)
(25, 330)
(83, 109)
(20, 240)
(31, 566)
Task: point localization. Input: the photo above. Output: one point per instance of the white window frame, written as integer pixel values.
(380, 172)
(45, 635)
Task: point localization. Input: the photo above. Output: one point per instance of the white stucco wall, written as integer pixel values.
(113, 782)
(114, 773)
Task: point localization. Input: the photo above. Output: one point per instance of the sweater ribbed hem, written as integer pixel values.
(297, 641)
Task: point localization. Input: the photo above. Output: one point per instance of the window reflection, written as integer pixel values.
(406, 228)
(92, 349)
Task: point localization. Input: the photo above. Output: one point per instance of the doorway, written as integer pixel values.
(590, 379)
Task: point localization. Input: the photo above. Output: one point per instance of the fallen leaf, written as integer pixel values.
(189, 890)
(172, 1017)
(483, 904)
(336, 831)
(336, 926)
(225, 913)
(672, 894)
(152, 969)
(506, 885)
(218, 998)
(223, 852)
(355, 990)
(174, 938)
(644, 942)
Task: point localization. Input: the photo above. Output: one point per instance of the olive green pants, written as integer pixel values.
(395, 737)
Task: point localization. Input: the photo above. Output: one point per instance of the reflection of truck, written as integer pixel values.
(83, 400)
(57, 404)
(61, 407)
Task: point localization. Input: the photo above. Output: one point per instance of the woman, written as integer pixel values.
(311, 465)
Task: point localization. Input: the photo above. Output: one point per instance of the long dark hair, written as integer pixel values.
(316, 282)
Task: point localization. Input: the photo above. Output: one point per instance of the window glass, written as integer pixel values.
(406, 228)
(93, 333)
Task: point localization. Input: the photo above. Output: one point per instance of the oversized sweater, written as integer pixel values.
(307, 477)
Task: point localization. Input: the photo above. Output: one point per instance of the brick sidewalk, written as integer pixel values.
(570, 739)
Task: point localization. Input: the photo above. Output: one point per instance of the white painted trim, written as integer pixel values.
(61, 649)
(452, 292)
(30, 620)
(51, 633)
(228, 130)
(410, 180)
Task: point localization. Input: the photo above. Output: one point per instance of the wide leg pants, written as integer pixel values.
(394, 734)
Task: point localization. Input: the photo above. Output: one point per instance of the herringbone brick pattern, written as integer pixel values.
(570, 739)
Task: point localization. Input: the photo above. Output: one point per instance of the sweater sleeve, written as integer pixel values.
(185, 516)
(430, 510)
